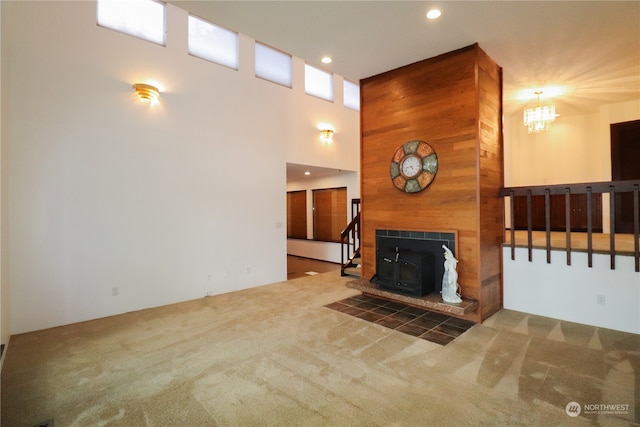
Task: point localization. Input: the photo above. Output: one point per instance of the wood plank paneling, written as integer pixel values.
(453, 102)
(491, 180)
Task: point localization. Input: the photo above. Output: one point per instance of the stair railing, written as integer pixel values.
(350, 243)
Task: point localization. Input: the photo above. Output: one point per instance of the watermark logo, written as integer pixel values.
(607, 408)
(573, 409)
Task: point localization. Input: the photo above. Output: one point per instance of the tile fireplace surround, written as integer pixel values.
(440, 238)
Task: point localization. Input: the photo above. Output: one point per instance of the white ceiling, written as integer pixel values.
(296, 172)
(582, 53)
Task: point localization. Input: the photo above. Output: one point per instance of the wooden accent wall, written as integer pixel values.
(454, 103)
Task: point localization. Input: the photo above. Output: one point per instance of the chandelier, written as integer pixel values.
(537, 118)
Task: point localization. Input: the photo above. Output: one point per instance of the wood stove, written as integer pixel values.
(406, 272)
(411, 263)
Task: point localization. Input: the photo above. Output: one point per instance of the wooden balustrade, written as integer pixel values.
(623, 198)
(350, 238)
(350, 243)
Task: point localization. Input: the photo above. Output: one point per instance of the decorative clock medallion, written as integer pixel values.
(413, 166)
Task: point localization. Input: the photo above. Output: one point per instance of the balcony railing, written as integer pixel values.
(623, 196)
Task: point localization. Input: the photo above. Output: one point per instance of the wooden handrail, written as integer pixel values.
(610, 187)
(351, 227)
(580, 188)
(350, 236)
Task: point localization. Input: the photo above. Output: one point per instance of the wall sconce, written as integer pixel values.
(326, 136)
(146, 92)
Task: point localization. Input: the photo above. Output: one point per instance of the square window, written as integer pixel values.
(273, 65)
(351, 95)
(213, 43)
(318, 83)
(144, 19)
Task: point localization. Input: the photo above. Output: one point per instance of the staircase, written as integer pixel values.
(350, 240)
(352, 267)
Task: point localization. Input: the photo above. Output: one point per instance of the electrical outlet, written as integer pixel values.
(114, 291)
(602, 300)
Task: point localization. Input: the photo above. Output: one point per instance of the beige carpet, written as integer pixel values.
(274, 356)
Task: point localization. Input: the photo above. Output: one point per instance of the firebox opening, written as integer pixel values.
(411, 262)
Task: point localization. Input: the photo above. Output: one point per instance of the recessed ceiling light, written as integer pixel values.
(307, 173)
(326, 60)
(434, 14)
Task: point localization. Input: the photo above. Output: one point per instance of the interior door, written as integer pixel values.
(625, 158)
(558, 213)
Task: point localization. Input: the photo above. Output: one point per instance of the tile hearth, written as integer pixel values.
(431, 301)
(435, 327)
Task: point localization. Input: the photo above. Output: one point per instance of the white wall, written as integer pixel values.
(5, 330)
(326, 251)
(160, 204)
(304, 146)
(575, 149)
(595, 296)
(569, 152)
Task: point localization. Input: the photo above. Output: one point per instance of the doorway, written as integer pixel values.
(625, 158)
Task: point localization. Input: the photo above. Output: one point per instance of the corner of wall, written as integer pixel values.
(5, 327)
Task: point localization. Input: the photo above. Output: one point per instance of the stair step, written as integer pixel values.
(353, 271)
(356, 261)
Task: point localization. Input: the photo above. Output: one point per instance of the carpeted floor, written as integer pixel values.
(276, 356)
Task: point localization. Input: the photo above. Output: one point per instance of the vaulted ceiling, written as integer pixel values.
(581, 53)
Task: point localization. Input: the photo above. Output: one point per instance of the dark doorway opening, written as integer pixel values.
(625, 161)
